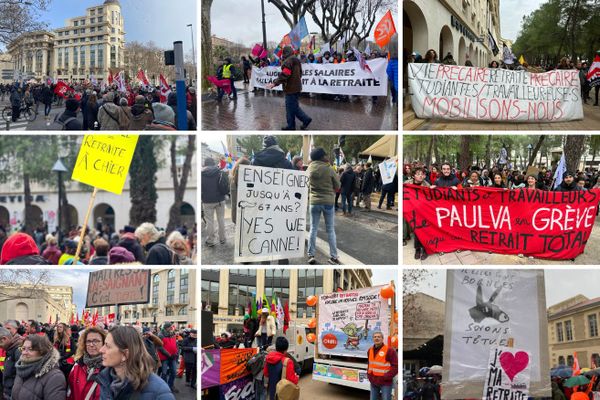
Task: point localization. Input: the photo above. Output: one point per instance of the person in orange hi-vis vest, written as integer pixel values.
(383, 367)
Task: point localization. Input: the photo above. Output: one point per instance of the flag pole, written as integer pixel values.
(85, 221)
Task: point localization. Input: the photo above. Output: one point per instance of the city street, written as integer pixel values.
(317, 390)
(266, 111)
(185, 392)
(590, 256)
(591, 121)
(362, 238)
(40, 123)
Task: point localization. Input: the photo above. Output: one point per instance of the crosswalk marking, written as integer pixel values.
(18, 126)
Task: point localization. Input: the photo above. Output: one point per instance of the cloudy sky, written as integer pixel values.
(560, 284)
(144, 20)
(241, 21)
(77, 279)
(512, 13)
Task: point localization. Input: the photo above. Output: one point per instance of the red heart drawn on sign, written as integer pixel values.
(513, 364)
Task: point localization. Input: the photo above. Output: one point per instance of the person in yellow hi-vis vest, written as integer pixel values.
(227, 71)
(383, 367)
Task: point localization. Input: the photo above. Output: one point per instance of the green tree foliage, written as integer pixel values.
(142, 181)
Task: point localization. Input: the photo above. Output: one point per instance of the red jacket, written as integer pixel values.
(170, 345)
(275, 357)
(388, 378)
(79, 386)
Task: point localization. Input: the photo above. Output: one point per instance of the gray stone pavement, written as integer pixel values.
(265, 110)
(39, 124)
(467, 257)
(590, 121)
(185, 392)
(317, 390)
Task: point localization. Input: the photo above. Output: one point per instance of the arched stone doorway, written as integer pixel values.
(415, 37)
(4, 217)
(70, 218)
(22, 312)
(106, 213)
(471, 53)
(446, 43)
(462, 51)
(37, 216)
(188, 215)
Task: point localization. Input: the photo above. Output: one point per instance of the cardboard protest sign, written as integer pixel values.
(489, 308)
(210, 372)
(348, 319)
(388, 170)
(241, 389)
(508, 375)
(537, 223)
(104, 160)
(347, 78)
(118, 286)
(492, 94)
(271, 211)
(233, 364)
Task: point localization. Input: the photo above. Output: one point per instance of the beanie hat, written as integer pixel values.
(163, 112)
(120, 255)
(18, 245)
(317, 154)
(269, 141)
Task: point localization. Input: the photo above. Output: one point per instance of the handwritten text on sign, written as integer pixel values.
(493, 94)
(271, 207)
(508, 374)
(347, 78)
(104, 161)
(118, 286)
(535, 223)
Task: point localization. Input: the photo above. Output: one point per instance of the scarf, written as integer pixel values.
(26, 368)
(117, 384)
(92, 363)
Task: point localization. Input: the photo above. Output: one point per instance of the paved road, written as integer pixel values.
(591, 121)
(185, 392)
(317, 390)
(39, 124)
(266, 111)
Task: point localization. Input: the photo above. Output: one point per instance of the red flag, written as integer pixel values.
(110, 77)
(62, 88)
(385, 29)
(77, 316)
(111, 317)
(72, 320)
(165, 89)
(95, 318)
(286, 317)
(106, 320)
(141, 76)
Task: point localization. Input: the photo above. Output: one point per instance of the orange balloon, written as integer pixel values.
(311, 337)
(311, 301)
(396, 316)
(387, 292)
(394, 340)
(312, 323)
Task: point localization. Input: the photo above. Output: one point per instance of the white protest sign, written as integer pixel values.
(271, 209)
(346, 78)
(388, 170)
(489, 308)
(508, 374)
(492, 94)
(348, 319)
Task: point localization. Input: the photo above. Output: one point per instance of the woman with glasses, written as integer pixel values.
(65, 347)
(88, 364)
(38, 376)
(128, 368)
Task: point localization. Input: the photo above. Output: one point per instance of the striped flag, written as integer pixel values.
(593, 75)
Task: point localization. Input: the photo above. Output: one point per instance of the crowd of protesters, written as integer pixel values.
(94, 361)
(103, 108)
(142, 245)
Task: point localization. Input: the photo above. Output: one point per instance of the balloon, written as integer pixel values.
(311, 337)
(396, 316)
(312, 323)
(394, 341)
(311, 301)
(387, 292)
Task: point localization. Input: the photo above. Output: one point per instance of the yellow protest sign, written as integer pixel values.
(103, 161)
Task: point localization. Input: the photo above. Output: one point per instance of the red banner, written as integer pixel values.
(536, 223)
(62, 88)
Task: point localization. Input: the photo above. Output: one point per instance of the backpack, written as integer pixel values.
(256, 364)
(286, 390)
(59, 125)
(223, 183)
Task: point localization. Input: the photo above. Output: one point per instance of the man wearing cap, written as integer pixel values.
(189, 350)
(291, 78)
(568, 183)
(382, 368)
(266, 328)
(323, 182)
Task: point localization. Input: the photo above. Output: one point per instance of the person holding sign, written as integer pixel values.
(383, 367)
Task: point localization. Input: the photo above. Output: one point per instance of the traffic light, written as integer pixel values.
(170, 57)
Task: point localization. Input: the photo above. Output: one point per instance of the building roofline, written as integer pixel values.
(576, 308)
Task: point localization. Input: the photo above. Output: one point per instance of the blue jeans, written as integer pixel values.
(168, 370)
(347, 199)
(293, 111)
(315, 216)
(384, 391)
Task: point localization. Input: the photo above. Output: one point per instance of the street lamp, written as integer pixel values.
(60, 168)
(191, 26)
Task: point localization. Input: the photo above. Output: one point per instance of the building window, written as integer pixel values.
(183, 286)
(171, 286)
(113, 30)
(76, 23)
(310, 282)
(240, 296)
(144, 313)
(66, 57)
(93, 12)
(75, 31)
(169, 312)
(100, 19)
(82, 30)
(92, 29)
(92, 20)
(100, 56)
(593, 323)
(570, 361)
(559, 332)
(182, 311)
(568, 331)
(155, 284)
(82, 56)
(210, 295)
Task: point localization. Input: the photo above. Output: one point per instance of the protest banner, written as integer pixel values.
(536, 223)
(388, 169)
(210, 371)
(508, 374)
(118, 286)
(241, 389)
(233, 364)
(347, 320)
(346, 79)
(488, 308)
(271, 208)
(456, 92)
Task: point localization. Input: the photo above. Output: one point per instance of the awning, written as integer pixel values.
(385, 147)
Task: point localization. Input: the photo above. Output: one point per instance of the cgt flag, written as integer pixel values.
(62, 89)
(385, 29)
(141, 76)
(165, 89)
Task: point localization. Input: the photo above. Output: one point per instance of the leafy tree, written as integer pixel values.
(180, 183)
(251, 143)
(206, 43)
(20, 16)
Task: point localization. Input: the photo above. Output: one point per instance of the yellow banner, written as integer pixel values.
(104, 161)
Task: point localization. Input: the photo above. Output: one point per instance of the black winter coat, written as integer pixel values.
(187, 349)
(347, 181)
(159, 253)
(210, 184)
(272, 157)
(74, 125)
(10, 371)
(134, 247)
(368, 184)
